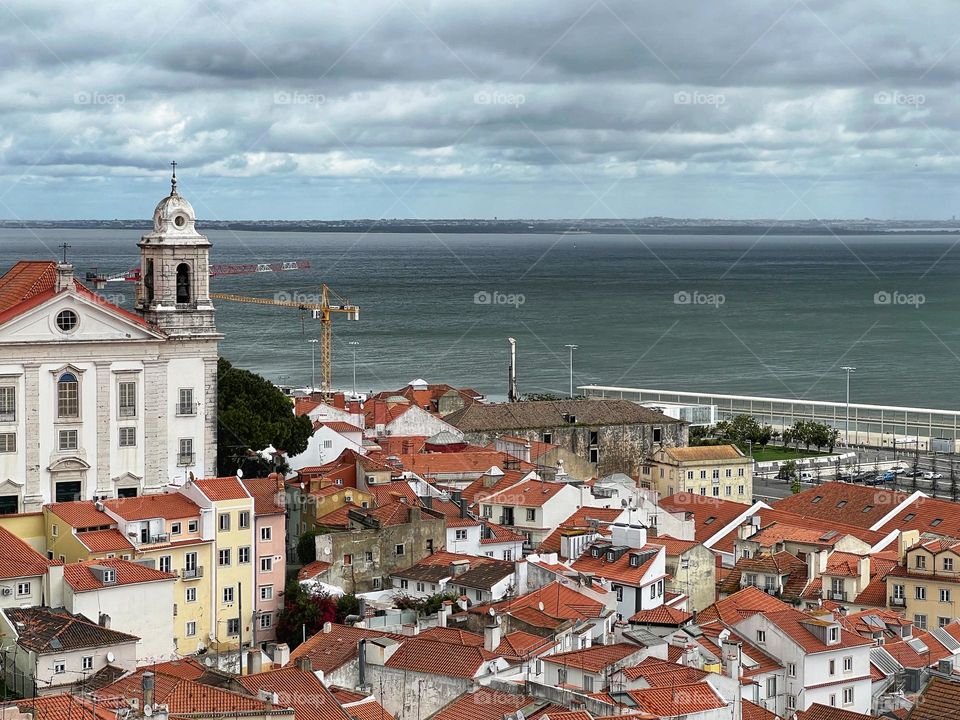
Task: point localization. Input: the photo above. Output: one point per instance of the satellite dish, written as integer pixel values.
(111, 657)
(147, 710)
(540, 606)
(491, 612)
(239, 473)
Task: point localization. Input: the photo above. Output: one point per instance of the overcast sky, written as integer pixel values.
(479, 108)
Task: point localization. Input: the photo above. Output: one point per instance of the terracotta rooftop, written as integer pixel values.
(558, 600)
(81, 578)
(300, 690)
(171, 506)
(266, 498)
(484, 704)
(104, 541)
(18, 559)
(46, 630)
(81, 514)
(184, 696)
(673, 700)
(660, 673)
(939, 700)
(662, 615)
(531, 493)
(520, 645)
(740, 605)
(440, 658)
(579, 522)
(64, 707)
(329, 650)
(852, 504)
(313, 569)
(709, 514)
(622, 570)
(828, 712)
(222, 488)
(595, 658)
(926, 514)
(452, 635)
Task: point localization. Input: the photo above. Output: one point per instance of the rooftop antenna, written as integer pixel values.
(512, 395)
(173, 179)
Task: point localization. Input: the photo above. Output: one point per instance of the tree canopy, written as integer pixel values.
(253, 414)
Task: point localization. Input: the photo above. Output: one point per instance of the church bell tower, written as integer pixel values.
(174, 290)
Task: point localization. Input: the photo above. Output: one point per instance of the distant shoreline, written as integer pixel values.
(525, 227)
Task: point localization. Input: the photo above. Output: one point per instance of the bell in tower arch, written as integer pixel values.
(183, 283)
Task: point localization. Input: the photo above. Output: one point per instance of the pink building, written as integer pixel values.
(269, 554)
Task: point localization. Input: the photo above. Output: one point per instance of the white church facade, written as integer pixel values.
(100, 402)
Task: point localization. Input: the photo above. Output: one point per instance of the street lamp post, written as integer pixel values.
(354, 344)
(313, 364)
(572, 348)
(847, 369)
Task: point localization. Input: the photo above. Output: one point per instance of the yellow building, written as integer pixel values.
(925, 585)
(164, 530)
(228, 512)
(720, 471)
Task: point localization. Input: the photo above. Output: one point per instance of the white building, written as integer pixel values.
(115, 593)
(330, 438)
(99, 402)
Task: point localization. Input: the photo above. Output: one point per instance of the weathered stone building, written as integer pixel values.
(607, 435)
(392, 539)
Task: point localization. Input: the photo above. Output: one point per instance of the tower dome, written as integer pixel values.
(174, 214)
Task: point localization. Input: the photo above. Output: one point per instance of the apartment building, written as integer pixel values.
(720, 471)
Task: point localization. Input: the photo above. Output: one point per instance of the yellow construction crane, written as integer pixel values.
(321, 311)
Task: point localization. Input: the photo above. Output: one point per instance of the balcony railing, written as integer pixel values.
(842, 596)
(158, 539)
(898, 602)
(192, 573)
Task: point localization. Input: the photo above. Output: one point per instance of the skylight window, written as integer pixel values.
(842, 504)
(817, 499)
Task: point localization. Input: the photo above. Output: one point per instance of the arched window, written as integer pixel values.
(68, 396)
(183, 283)
(148, 280)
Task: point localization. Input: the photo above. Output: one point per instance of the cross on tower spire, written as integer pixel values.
(173, 179)
(64, 247)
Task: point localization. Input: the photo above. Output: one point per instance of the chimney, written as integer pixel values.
(254, 661)
(362, 662)
(281, 656)
(732, 653)
(407, 447)
(414, 516)
(146, 683)
(464, 508)
(427, 501)
(459, 567)
(462, 603)
(104, 621)
(327, 627)
(303, 662)
(340, 401)
(863, 569)
(64, 277)
(491, 633)
(379, 415)
(447, 609)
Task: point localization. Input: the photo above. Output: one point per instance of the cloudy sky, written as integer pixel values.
(481, 108)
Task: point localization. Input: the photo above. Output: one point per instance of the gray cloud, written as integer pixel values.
(675, 102)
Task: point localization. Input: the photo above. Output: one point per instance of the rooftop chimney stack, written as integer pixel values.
(64, 276)
(146, 683)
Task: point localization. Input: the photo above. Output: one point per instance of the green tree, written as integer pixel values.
(347, 605)
(307, 546)
(252, 414)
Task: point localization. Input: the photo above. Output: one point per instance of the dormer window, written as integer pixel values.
(833, 634)
(920, 561)
(595, 552)
(109, 577)
(634, 560)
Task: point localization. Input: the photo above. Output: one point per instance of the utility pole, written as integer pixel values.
(240, 624)
(572, 348)
(354, 344)
(848, 369)
(512, 395)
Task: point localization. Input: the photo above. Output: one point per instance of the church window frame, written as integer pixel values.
(183, 288)
(68, 396)
(67, 321)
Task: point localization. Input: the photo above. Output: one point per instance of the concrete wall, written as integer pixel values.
(697, 580)
(411, 694)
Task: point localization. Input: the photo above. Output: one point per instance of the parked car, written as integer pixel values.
(912, 473)
(807, 477)
(898, 470)
(932, 476)
(888, 476)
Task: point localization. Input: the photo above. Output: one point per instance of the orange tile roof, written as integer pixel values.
(329, 650)
(300, 690)
(100, 541)
(620, 570)
(796, 625)
(26, 279)
(752, 711)
(939, 700)
(471, 460)
(222, 488)
(532, 493)
(439, 658)
(926, 514)
(170, 506)
(740, 605)
(18, 559)
(80, 514)
(64, 707)
(79, 576)
(558, 600)
(313, 569)
(662, 615)
(452, 635)
(484, 704)
(674, 546)
(710, 514)
(660, 673)
(368, 709)
(673, 700)
(340, 427)
(187, 667)
(596, 657)
(578, 523)
(847, 503)
(828, 712)
(183, 696)
(266, 498)
(520, 645)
